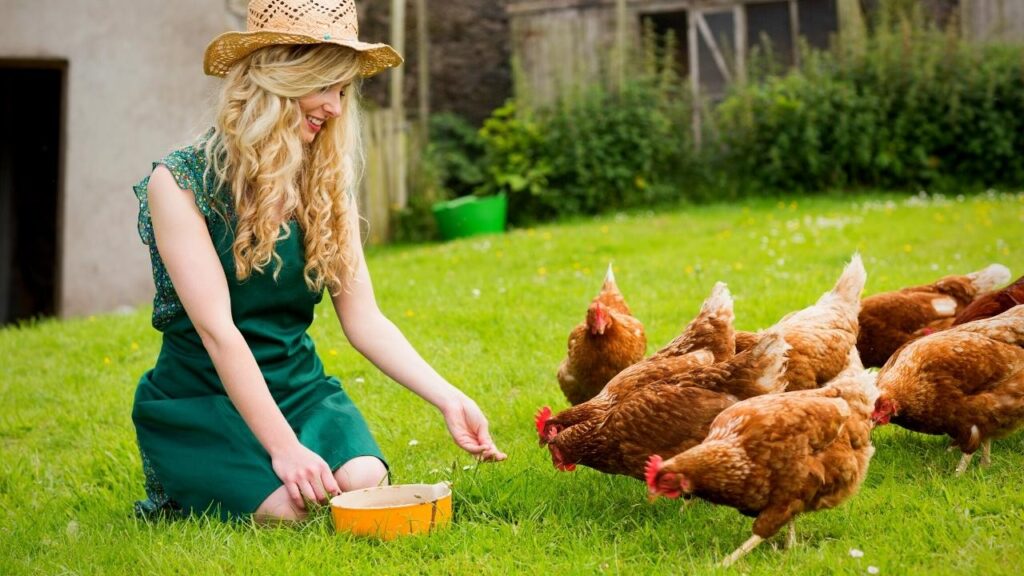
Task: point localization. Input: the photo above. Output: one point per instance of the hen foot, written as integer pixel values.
(742, 551)
(964, 461)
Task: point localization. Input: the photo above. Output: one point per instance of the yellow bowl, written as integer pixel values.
(390, 511)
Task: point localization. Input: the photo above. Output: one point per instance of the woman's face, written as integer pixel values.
(319, 107)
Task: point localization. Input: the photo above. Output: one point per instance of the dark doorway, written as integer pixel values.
(769, 29)
(664, 23)
(819, 22)
(31, 150)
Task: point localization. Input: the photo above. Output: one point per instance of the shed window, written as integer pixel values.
(769, 23)
(818, 21)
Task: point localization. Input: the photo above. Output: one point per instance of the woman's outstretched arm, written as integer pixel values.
(383, 344)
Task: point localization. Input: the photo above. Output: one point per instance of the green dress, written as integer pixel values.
(198, 454)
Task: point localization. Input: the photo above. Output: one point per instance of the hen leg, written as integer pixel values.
(791, 535)
(986, 453)
(742, 551)
(964, 461)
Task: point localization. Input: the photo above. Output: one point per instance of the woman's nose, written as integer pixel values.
(332, 106)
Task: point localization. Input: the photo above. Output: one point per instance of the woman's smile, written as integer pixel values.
(314, 123)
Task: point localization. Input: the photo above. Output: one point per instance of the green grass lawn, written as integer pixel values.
(493, 314)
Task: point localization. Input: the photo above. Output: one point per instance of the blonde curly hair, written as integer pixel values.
(256, 151)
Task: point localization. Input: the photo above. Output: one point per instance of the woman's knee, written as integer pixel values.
(278, 507)
(361, 472)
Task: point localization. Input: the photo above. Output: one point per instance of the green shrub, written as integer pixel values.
(613, 149)
(918, 107)
(597, 148)
(456, 153)
(798, 132)
(600, 150)
(516, 159)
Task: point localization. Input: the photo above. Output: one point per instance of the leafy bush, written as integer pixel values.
(917, 107)
(517, 160)
(600, 151)
(596, 149)
(456, 153)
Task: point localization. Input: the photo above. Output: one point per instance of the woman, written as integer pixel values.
(247, 228)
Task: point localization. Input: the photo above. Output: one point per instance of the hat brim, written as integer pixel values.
(230, 47)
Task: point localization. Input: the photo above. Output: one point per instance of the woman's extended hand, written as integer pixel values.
(305, 475)
(468, 427)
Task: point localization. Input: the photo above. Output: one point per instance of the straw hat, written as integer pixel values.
(274, 22)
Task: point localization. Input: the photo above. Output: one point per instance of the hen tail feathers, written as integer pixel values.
(761, 369)
(609, 276)
(719, 302)
(851, 283)
(990, 277)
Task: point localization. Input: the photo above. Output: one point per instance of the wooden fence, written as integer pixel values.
(383, 189)
(993, 20)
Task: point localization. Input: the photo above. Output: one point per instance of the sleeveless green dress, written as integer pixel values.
(198, 454)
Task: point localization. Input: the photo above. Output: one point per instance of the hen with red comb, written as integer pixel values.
(609, 340)
(775, 456)
(665, 404)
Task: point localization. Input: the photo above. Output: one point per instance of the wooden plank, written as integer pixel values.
(373, 185)
(397, 166)
(794, 31)
(716, 54)
(993, 20)
(423, 65)
(540, 6)
(648, 6)
(655, 6)
(739, 19)
(691, 40)
(557, 53)
(619, 61)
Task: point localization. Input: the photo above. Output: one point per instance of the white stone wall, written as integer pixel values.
(135, 90)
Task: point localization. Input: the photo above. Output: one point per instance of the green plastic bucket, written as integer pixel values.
(471, 215)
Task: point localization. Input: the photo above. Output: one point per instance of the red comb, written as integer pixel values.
(651, 471)
(541, 419)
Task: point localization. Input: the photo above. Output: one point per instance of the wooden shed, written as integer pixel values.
(561, 43)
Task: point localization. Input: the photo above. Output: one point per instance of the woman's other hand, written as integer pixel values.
(305, 475)
(468, 427)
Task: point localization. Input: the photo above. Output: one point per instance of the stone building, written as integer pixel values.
(91, 92)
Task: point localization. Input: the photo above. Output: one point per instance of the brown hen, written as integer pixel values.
(823, 336)
(992, 303)
(891, 319)
(776, 456)
(664, 404)
(966, 382)
(609, 340)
